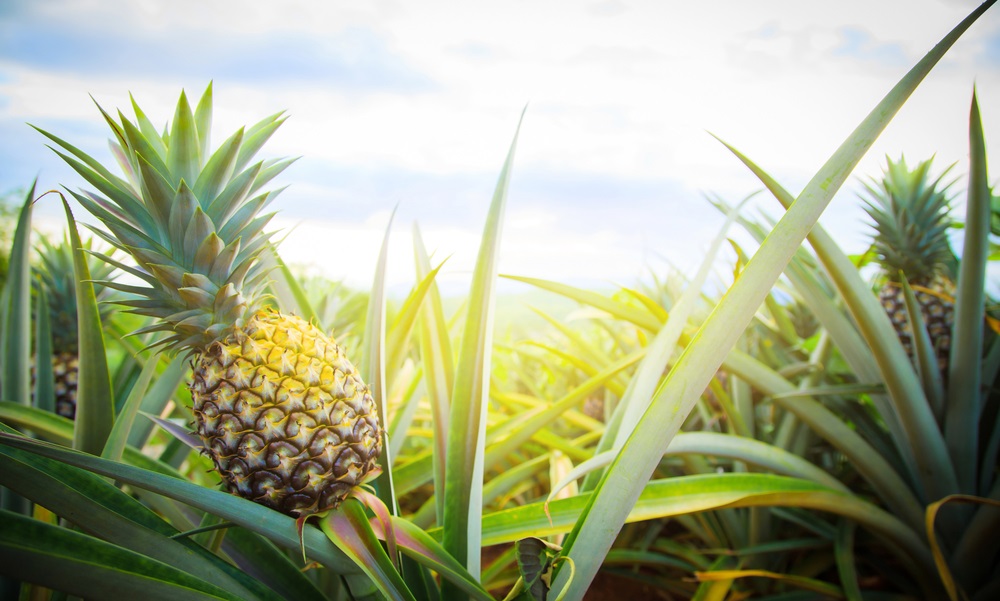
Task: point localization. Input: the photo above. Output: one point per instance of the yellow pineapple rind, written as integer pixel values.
(285, 416)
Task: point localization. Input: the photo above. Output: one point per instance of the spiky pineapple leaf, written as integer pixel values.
(274, 525)
(290, 294)
(16, 349)
(218, 170)
(44, 393)
(256, 136)
(715, 444)
(265, 562)
(184, 151)
(348, 528)
(683, 495)
(95, 407)
(373, 361)
(847, 561)
(439, 371)
(421, 547)
(98, 508)
(162, 391)
(406, 319)
(64, 560)
(118, 438)
(927, 361)
(965, 372)
(149, 132)
(467, 422)
(659, 351)
(613, 307)
(908, 417)
(622, 483)
(203, 120)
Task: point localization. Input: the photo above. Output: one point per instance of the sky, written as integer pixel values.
(411, 107)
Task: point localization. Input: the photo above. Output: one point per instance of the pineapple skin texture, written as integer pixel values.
(285, 416)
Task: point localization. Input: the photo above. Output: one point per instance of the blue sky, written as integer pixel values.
(413, 105)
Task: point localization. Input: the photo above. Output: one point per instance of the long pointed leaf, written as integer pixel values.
(95, 406)
(467, 424)
(16, 349)
(349, 529)
(623, 482)
(374, 362)
(965, 372)
(65, 560)
(276, 526)
(45, 394)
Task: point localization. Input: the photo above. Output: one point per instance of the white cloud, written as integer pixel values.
(618, 92)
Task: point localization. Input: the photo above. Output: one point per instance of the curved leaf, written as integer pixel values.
(623, 482)
(64, 560)
(271, 524)
(467, 422)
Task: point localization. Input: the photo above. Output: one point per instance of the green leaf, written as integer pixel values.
(965, 371)
(15, 351)
(277, 527)
(348, 528)
(218, 171)
(184, 149)
(623, 481)
(872, 466)
(398, 336)
(421, 547)
(715, 444)
(45, 393)
(298, 301)
(98, 508)
(95, 406)
(846, 561)
(467, 422)
(267, 563)
(649, 372)
(685, 495)
(203, 120)
(439, 369)
(43, 424)
(123, 424)
(64, 560)
(373, 360)
(155, 399)
(924, 351)
(617, 309)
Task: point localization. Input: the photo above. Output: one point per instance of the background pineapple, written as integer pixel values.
(281, 411)
(910, 214)
(55, 273)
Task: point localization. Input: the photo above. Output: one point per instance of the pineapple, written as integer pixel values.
(280, 410)
(56, 274)
(911, 220)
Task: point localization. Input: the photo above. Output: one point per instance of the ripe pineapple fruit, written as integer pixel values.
(281, 411)
(910, 214)
(55, 273)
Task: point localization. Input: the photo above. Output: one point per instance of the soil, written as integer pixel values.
(611, 587)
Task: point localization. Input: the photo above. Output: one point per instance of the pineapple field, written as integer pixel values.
(186, 415)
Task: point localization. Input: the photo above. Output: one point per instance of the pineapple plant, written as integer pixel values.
(55, 273)
(281, 411)
(910, 221)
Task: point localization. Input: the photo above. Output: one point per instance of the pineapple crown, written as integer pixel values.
(191, 220)
(910, 218)
(55, 273)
